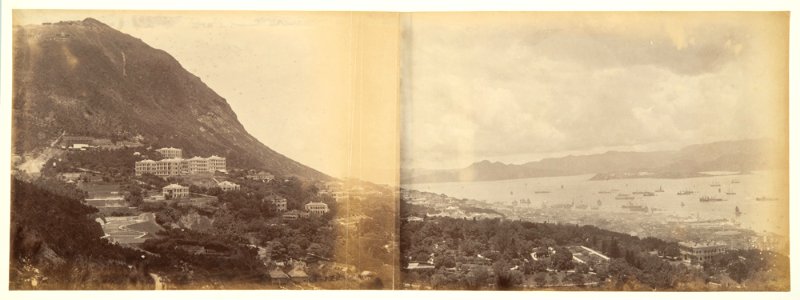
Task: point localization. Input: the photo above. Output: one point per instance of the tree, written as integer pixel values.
(574, 278)
(562, 259)
(582, 268)
(739, 271)
(476, 278)
(672, 250)
(134, 196)
(540, 279)
(539, 266)
(613, 249)
(447, 262)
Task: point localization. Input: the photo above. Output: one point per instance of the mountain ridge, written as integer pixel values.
(740, 155)
(87, 78)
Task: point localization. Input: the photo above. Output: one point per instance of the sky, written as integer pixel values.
(289, 77)
(509, 87)
(520, 87)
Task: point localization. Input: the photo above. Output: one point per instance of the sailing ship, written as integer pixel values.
(710, 199)
(660, 190)
(730, 192)
(738, 212)
(685, 192)
(715, 184)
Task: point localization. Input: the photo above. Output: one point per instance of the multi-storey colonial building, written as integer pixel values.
(179, 166)
(170, 152)
(174, 191)
(317, 208)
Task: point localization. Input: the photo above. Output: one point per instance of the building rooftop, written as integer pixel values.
(700, 245)
(174, 186)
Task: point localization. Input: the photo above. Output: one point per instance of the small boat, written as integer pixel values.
(766, 199)
(660, 190)
(738, 212)
(604, 192)
(682, 205)
(649, 194)
(639, 193)
(710, 199)
(685, 192)
(541, 192)
(624, 197)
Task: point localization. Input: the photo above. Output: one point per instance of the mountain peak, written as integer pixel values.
(91, 79)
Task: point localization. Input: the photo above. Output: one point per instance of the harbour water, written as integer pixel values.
(739, 190)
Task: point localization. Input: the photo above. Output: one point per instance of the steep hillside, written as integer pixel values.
(737, 156)
(86, 78)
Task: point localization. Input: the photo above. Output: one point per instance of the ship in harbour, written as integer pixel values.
(766, 199)
(710, 199)
(624, 197)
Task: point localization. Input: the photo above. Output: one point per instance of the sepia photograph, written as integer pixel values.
(360, 152)
(595, 151)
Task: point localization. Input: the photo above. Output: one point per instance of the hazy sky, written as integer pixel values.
(513, 87)
(520, 87)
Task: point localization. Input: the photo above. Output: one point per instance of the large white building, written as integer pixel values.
(700, 252)
(174, 191)
(180, 166)
(317, 208)
(170, 152)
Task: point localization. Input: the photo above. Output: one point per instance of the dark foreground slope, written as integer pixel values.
(86, 78)
(56, 244)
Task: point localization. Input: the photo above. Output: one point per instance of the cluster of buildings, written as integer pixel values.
(175, 165)
(262, 176)
(175, 191)
(74, 142)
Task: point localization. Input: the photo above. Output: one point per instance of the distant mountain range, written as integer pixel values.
(86, 78)
(734, 156)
